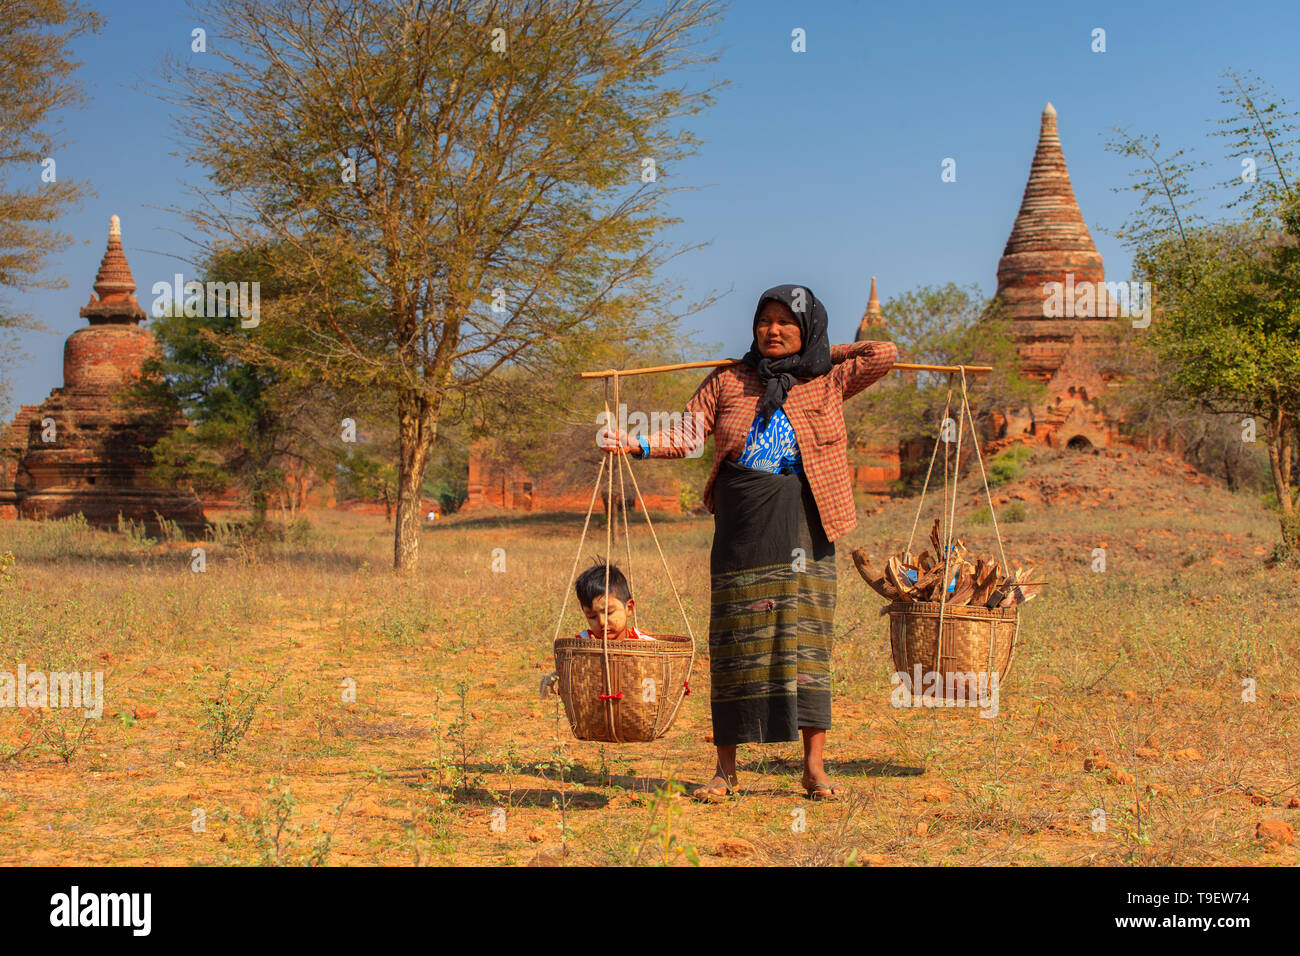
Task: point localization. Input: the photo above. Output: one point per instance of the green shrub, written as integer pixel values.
(1007, 465)
(1014, 512)
(279, 838)
(300, 531)
(402, 624)
(982, 517)
(228, 718)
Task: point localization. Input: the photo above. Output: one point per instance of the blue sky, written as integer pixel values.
(820, 168)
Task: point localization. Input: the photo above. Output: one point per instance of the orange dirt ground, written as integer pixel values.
(1130, 696)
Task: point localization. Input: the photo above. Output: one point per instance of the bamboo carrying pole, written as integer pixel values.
(970, 369)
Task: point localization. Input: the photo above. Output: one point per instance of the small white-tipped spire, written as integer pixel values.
(114, 227)
(873, 320)
(1049, 109)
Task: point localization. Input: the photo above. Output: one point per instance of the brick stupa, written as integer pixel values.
(1050, 242)
(87, 448)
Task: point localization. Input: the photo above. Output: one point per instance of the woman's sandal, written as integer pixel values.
(710, 793)
(821, 790)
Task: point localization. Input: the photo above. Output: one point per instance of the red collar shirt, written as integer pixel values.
(632, 634)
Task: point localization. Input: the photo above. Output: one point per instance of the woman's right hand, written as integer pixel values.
(616, 444)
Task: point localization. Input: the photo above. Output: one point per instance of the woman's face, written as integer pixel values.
(777, 331)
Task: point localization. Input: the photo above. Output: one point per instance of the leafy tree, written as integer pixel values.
(249, 424)
(36, 81)
(447, 478)
(488, 168)
(367, 468)
(1228, 292)
(1210, 441)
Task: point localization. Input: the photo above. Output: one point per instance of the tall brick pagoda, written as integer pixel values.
(87, 448)
(1050, 242)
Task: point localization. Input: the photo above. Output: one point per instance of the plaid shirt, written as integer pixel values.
(728, 399)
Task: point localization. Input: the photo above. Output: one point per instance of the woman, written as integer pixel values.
(780, 495)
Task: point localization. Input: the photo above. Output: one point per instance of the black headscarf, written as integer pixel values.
(813, 359)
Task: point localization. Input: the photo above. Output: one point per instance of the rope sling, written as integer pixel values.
(636, 654)
(971, 628)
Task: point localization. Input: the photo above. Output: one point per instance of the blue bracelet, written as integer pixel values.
(645, 446)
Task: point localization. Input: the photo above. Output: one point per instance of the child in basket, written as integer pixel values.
(607, 611)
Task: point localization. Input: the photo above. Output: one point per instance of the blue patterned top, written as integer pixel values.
(771, 448)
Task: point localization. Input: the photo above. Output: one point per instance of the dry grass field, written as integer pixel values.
(225, 692)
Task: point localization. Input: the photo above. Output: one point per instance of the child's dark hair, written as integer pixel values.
(591, 584)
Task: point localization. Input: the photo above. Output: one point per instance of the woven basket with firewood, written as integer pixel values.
(951, 618)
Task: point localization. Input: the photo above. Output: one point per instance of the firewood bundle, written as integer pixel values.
(910, 577)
